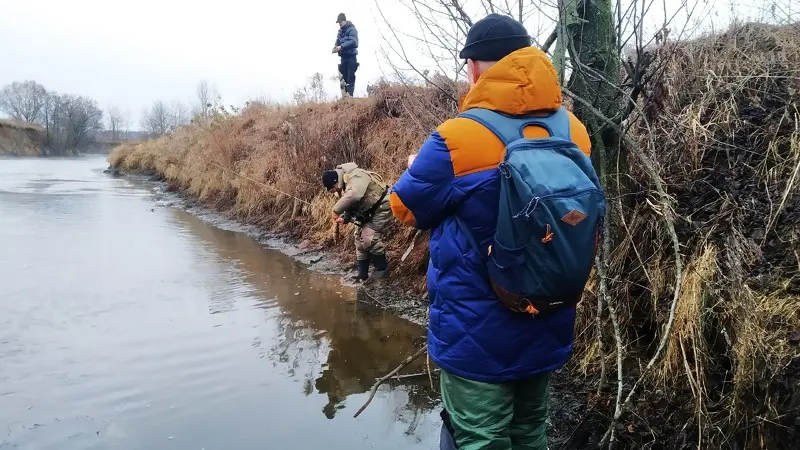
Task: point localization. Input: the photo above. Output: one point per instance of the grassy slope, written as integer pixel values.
(724, 129)
(287, 148)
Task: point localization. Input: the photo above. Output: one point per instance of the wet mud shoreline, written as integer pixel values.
(383, 294)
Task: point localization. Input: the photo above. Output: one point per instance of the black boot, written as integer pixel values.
(363, 270)
(381, 266)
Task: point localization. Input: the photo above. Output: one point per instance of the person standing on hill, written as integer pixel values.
(514, 206)
(364, 201)
(347, 48)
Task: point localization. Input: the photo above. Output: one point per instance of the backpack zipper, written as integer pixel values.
(531, 206)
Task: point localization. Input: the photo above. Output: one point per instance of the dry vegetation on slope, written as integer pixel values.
(288, 148)
(20, 138)
(724, 126)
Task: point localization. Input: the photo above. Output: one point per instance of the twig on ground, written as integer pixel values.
(378, 384)
(428, 365)
(364, 290)
(410, 246)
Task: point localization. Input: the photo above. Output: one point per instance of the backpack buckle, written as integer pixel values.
(526, 306)
(504, 169)
(548, 235)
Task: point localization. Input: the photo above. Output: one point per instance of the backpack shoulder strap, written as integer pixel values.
(376, 177)
(509, 128)
(556, 123)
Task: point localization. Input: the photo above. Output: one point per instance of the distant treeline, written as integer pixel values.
(74, 123)
(162, 118)
(70, 122)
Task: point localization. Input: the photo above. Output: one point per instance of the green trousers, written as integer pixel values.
(504, 416)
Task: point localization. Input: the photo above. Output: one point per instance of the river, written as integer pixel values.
(127, 324)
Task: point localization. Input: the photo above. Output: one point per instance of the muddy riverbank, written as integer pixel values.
(405, 303)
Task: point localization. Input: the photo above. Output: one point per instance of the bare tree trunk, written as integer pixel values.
(567, 18)
(595, 77)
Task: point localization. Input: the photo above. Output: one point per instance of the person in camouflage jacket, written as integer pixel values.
(364, 201)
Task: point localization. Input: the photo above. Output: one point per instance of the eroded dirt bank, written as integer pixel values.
(20, 138)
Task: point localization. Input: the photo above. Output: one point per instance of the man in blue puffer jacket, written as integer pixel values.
(495, 362)
(347, 48)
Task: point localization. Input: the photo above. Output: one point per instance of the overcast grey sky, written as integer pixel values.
(131, 53)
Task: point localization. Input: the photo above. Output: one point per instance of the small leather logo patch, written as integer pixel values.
(574, 217)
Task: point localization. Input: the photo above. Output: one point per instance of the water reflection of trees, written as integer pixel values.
(318, 319)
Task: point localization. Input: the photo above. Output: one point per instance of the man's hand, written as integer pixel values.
(337, 49)
(337, 218)
(411, 159)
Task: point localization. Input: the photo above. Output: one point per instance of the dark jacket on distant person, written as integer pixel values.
(347, 38)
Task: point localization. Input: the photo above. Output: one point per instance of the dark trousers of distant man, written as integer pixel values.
(347, 68)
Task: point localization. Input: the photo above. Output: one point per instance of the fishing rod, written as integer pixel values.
(258, 182)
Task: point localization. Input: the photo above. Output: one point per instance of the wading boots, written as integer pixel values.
(363, 270)
(381, 266)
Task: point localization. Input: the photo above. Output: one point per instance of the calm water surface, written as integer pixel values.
(126, 325)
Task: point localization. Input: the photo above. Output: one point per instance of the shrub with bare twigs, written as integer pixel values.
(723, 127)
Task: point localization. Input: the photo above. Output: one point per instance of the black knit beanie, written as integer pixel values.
(330, 178)
(494, 37)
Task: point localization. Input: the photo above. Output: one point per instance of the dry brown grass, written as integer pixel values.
(726, 127)
(287, 148)
(687, 350)
(20, 138)
(8, 123)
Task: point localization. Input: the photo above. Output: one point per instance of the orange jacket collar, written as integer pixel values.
(522, 82)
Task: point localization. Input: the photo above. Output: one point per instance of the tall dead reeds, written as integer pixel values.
(723, 124)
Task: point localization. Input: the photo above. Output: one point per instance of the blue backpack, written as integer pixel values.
(549, 217)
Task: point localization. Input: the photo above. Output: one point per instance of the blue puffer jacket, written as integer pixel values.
(347, 38)
(471, 334)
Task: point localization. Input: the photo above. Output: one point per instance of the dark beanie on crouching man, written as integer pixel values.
(330, 178)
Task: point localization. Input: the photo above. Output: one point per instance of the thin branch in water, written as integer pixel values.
(386, 377)
(384, 305)
(412, 375)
